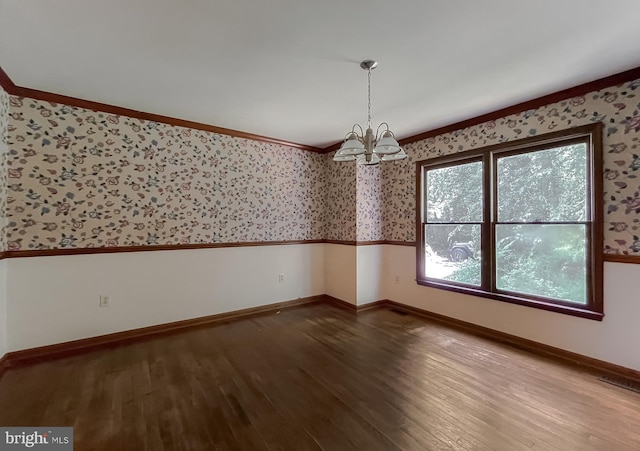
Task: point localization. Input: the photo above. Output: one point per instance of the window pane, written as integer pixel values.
(452, 252)
(546, 186)
(545, 260)
(454, 193)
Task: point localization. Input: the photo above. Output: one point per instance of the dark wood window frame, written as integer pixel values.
(589, 134)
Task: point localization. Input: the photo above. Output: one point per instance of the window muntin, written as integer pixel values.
(528, 210)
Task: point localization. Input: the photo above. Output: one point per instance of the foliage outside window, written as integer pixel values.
(519, 222)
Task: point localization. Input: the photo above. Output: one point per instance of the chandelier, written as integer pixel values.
(367, 148)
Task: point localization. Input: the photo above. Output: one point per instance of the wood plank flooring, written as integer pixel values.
(320, 378)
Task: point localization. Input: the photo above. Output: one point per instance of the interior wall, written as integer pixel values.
(56, 299)
(398, 199)
(340, 195)
(340, 272)
(4, 120)
(368, 200)
(4, 149)
(614, 339)
(80, 178)
(369, 260)
(3, 308)
(352, 273)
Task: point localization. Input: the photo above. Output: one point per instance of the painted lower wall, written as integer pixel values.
(352, 273)
(3, 307)
(340, 264)
(369, 265)
(613, 340)
(55, 299)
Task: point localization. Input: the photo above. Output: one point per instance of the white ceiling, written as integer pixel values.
(290, 69)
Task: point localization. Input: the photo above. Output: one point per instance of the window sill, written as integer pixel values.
(579, 311)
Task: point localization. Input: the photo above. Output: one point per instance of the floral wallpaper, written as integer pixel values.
(369, 203)
(4, 119)
(354, 200)
(79, 178)
(340, 200)
(618, 107)
(397, 211)
(71, 177)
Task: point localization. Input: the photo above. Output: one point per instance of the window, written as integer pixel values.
(519, 222)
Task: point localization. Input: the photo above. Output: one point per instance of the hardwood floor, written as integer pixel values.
(320, 378)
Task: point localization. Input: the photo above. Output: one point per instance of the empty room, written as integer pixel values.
(319, 225)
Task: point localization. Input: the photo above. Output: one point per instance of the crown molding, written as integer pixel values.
(585, 88)
(601, 83)
(20, 91)
(6, 83)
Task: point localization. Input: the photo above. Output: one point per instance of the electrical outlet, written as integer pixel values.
(281, 277)
(104, 300)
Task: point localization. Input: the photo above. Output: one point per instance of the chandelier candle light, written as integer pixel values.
(365, 148)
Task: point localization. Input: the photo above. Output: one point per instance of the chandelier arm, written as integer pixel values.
(353, 130)
(387, 130)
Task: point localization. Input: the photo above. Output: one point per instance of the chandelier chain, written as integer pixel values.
(367, 148)
(369, 103)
